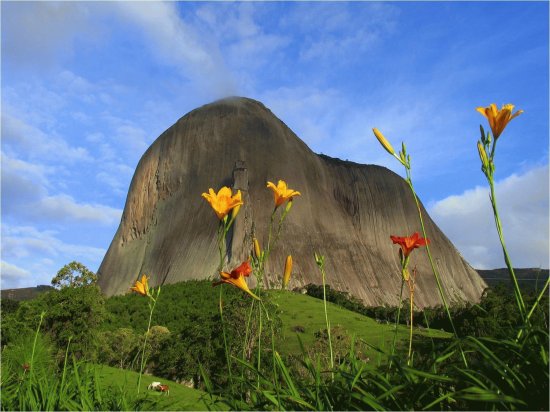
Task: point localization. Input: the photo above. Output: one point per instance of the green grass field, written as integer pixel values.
(180, 398)
(308, 312)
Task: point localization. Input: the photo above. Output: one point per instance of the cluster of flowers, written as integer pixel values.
(224, 202)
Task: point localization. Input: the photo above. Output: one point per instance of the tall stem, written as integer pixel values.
(227, 358)
(411, 327)
(259, 346)
(539, 297)
(34, 343)
(397, 322)
(327, 322)
(517, 291)
(434, 269)
(142, 365)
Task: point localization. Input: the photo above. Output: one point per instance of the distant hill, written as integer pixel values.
(24, 293)
(528, 278)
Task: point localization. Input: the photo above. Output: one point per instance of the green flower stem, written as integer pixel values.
(539, 297)
(259, 346)
(322, 267)
(434, 269)
(142, 364)
(275, 377)
(396, 323)
(517, 291)
(248, 328)
(223, 228)
(277, 233)
(488, 168)
(411, 327)
(221, 244)
(268, 247)
(42, 314)
(65, 364)
(228, 360)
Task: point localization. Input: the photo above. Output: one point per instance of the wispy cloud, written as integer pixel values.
(38, 34)
(25, 194)
(11, 273)
(177, 44)
(20, 136)
(339, 33)
(40, 254)
(63, 207)
(467, 219)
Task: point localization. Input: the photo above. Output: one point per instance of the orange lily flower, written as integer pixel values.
(281, 193)
(498, 119)
(141, 287)
(409, 243)
(288, 271)
(236, 278)
(223, 201)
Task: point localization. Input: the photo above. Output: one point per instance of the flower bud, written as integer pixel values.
(257, 250)
(288, 205)
(483, 155)
(288, 271)
(383, 141)
(235, 212)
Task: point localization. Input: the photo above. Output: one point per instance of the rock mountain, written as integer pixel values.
(347, 212)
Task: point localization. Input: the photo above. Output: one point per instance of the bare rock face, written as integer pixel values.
(347, 212)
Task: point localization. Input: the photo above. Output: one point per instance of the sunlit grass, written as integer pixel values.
(180, 398)
(301, 310)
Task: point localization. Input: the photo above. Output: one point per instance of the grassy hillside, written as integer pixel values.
(304, 315)
(180, 398)
(24, 293)
(182, 304)
(528, 278)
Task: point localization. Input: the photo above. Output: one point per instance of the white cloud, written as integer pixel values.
(35, 256)
(178, 44)
(9, 271)
(35, 34)
(467, 220)
(64, 208)
(18, 135)
(25, 195)
(339, 33)
(246, 44)
(24, 241)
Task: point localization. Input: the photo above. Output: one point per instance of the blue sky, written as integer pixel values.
(88, 86)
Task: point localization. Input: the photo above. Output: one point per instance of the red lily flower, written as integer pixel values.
(236, 278)
(409, 243)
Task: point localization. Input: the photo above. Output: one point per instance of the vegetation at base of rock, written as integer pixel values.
(75, 314)
(185, 346)
(494, 315)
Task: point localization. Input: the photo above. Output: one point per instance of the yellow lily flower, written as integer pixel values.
(141, 287)
(288, 271)
(498, 119)
(223, 201)
(281, 193)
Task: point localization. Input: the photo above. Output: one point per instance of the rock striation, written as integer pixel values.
(347, 212)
